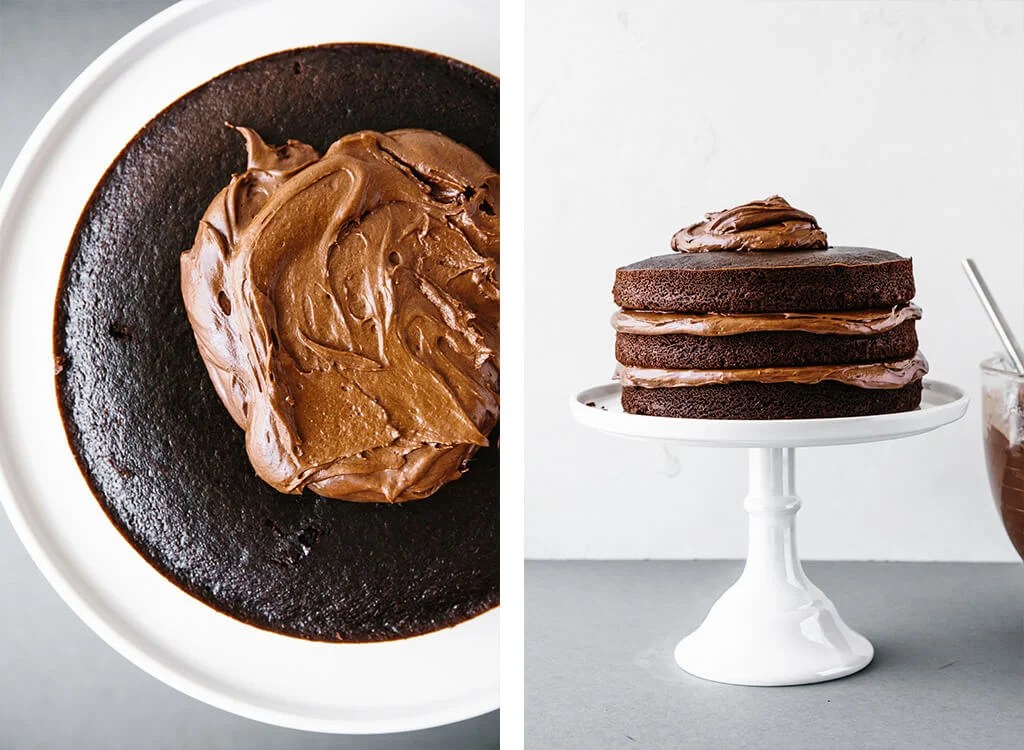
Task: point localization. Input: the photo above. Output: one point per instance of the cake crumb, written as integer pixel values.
(119, 331)
(122, 471)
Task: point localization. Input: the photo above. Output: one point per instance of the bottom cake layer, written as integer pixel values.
(770, 400)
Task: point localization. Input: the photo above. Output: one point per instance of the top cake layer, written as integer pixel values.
(160, 452)
(837, 278)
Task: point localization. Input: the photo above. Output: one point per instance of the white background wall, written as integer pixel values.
(899, 125)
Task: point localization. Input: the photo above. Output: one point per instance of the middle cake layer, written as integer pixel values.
(689, 341)
(764, 349)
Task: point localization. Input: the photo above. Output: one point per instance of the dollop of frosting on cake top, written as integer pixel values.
(346, 308)
(769, 224)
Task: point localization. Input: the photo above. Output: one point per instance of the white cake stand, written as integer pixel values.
(773, 627)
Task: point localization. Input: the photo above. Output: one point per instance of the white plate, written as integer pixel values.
(358, 688)
(941, 403)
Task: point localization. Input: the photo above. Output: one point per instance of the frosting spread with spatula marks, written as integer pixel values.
(346, 308)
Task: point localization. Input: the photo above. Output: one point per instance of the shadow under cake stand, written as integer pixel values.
(773, 626)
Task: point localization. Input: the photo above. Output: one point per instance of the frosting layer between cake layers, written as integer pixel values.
(881, 375)
(840, 323)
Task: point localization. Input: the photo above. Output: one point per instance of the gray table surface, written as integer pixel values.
(60, 685)
(948, 669)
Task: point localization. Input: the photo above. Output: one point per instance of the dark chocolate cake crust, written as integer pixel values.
(765, 349)
(158, 448)
(840, 278)
(770, 401)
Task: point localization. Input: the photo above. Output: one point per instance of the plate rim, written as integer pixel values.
(46, 555)
(752, 433)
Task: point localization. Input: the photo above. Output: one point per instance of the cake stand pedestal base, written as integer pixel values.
(773, 626)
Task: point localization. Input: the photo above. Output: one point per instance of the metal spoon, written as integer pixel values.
(1010, 343)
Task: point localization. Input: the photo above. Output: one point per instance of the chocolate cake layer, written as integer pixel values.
(764, 349)
(839, 278)
(163, 456)
(770, 401)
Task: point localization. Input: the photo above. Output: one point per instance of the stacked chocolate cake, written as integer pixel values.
(756, 317)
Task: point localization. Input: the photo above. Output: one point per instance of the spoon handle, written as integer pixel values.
(1010, 343)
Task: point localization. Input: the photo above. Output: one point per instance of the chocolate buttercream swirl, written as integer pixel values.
(881, 375)
(854, 323)
(346, 308)
(770, 224)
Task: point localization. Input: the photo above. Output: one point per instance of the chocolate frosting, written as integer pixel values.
(1006, 475)
(858, 323)
(769, 224)
(883, 375)
(346, 308)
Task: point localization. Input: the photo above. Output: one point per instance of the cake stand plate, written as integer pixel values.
(400, 685)
(773, 626)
